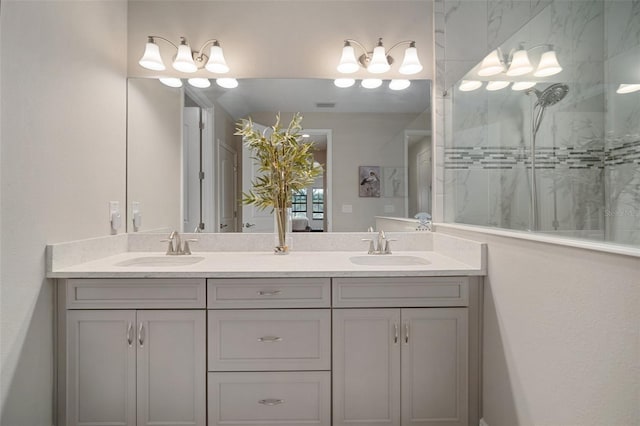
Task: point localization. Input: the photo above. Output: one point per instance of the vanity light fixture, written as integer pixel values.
(185, 60)
(517, 63)
(378, 61)
(625, 88)
(343, 83)
(469, 85)
(171, 81)
(497, 85)
(522, 85)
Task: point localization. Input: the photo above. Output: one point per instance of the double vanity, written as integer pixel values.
(235, 335)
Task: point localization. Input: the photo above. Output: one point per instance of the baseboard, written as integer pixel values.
(483, 423)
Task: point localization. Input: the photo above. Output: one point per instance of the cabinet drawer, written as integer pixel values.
(270, 399)
(400, 292)
(269, 340)
(269, 293)
(135, 293)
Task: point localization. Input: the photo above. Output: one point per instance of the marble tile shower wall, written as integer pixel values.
(485, 160)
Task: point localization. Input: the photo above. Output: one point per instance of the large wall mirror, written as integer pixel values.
(186, 170)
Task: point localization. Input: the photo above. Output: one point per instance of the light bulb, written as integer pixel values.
(520, 64)
(216, 62)
(497, 85)
(548, 65)
(491, 65)
(151, 58)
(227, 83)
(469, 85)
(399, 84)
(184, 58)
(379, 63)
(410, 64)
(344, 82)
(200, 83)
(171, 81)
(348, 62)
(522, 85)
(371, 83)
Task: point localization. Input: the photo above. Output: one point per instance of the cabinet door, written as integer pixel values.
(366, 367)
(434, 367)
(171, 368)
(101, 368)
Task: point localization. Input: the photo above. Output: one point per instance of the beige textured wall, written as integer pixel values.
(63, 159)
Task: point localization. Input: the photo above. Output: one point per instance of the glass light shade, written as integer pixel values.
(523, 85)
(184, 59)
(348, 62)
(371, 83)
(491, 65)
(520, 64)
(227, 83)
(410, 64)
(548, 65)
(216, 62)
(344, 82)
(378, 63)
(497, 85)
(171, 81)
(469, 85)
(200, 83)
(627, 88)
(151, 58)
(399, 84)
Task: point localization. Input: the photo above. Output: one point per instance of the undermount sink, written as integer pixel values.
(388, 260)
(161, 261)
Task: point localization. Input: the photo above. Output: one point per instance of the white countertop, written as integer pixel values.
(266, 264)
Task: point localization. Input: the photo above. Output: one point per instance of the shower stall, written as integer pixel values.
(557, 154)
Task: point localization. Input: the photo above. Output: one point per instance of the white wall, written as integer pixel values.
(561, 335)
(63, 159)
(154, 158)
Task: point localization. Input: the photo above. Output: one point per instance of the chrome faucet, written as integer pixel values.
(380, 245)
(177, 246)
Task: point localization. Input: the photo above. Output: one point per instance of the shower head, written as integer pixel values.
(551, 95)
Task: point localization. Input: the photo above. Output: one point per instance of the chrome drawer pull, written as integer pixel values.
(395, 333)
(269, 339)
(271, 402)
(406, 335)
(269, 292)
(129, 337)
(141, 335)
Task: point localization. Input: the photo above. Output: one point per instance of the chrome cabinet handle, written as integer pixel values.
(269, 292)
(395, 333)
(141, 335)
(270, 339)
(129, 336)
(249, 225)
(271, 401)
(406, 332)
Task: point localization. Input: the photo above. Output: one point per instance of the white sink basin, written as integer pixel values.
(388, 260)
(161, 261)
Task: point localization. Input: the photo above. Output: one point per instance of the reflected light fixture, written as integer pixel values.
(171, 81)
(344, 82)
(399, 84)
(185, 60)
(497, 85)
(371, 83)
(520, 64)
(548, 64)
(625, 88)
(379, 60)
(200, 83)
(491, 65)
(469, 85)
(227, 83)
(522, 85)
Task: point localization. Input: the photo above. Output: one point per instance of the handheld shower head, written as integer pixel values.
(551, 95)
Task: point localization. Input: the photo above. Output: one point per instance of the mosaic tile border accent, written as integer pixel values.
(507, 158)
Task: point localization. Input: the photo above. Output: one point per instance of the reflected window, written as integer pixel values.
(299, 202)
(317, 200)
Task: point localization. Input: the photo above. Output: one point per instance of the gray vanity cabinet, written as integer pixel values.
(131, 367)
(401, 366)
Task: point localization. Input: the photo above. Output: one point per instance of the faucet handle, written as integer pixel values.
(185, 247)
(387, 245)
(371, 246)
(170, 249)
